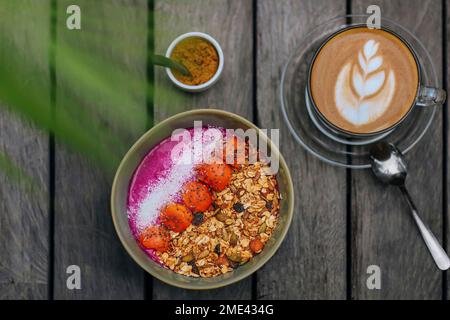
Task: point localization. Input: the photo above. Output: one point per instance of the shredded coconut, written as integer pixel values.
(162, 192)
(166, 190)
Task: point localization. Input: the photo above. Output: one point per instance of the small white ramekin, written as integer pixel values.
(210, 82)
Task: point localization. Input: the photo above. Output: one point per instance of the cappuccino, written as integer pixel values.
(364, 81)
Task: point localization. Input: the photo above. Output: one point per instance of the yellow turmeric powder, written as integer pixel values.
(199, 56)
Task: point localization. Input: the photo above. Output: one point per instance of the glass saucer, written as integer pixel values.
(326, 145)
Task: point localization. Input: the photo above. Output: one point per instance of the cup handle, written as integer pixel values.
(429, 97)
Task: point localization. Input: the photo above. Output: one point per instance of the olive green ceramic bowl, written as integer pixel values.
(131, 161)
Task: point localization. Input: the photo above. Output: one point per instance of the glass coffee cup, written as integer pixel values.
(363, 83)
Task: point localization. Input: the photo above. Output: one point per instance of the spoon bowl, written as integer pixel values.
(388, 164)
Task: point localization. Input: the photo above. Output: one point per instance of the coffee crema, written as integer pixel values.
(364, 80)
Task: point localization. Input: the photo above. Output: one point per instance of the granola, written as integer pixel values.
(236, 228)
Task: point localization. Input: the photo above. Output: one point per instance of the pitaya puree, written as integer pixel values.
(158, 180)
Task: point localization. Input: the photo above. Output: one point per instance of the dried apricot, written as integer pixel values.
(155, 237)
(222, 261)
(216, 175)
(196, 196)
(256, 245)
(176, 217)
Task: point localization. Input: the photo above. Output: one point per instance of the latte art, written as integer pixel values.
(371, 92)
(363, 80)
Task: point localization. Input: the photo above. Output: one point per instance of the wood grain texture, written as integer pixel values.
(382, 230)
(23, 214)
(113, 39)
(311, 262)
(230, 22)
(447, 132)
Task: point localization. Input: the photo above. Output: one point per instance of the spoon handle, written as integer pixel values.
(437, 252)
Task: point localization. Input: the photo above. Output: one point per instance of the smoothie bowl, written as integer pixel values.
(199, 206)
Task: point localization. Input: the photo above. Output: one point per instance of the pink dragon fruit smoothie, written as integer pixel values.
(203, 216)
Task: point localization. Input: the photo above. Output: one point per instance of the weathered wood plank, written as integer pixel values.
(101, 75)
(24, 216)
(447, 132)
(383, 232)
(311, 262)
(230, 22)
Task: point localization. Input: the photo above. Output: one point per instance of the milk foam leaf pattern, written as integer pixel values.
(374, 64)
(370, 49)
(366, 84)
(372, 87)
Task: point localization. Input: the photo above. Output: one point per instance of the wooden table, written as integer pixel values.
(344, 220)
